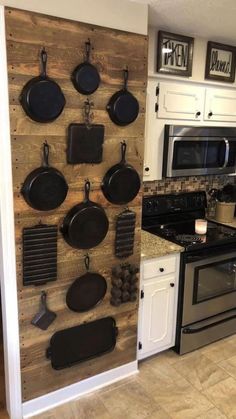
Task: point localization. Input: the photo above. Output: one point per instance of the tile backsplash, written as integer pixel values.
(188, 184)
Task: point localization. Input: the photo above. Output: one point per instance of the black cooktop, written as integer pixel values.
(183, 233)
(173, 218)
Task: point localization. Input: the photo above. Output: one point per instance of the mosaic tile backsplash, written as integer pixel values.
(188, 184)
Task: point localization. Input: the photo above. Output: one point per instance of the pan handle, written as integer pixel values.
(126, 76)
(45, 154)
(123, 151)
(87, 261)
(86, 191)
(44, 57)
(87, 50)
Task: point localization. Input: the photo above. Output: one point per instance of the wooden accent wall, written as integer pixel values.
(26, 34)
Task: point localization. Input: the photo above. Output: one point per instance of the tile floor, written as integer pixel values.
(200, 385)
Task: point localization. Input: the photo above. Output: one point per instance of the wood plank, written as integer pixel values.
(112, 51)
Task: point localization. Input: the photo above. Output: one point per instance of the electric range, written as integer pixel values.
(207, 280)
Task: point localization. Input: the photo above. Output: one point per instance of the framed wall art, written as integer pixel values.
(174, 54)
(220, 62)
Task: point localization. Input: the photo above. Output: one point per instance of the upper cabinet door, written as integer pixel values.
(220, 105)
(178, 101)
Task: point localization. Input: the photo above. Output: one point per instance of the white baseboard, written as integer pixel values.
(66, 394)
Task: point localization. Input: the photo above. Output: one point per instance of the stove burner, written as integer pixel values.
(189, 238)
(168, 231)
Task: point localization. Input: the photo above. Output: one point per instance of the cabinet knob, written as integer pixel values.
(172, 284)
(147, 169)
(210, 114)
(198, 113)
(161, 269)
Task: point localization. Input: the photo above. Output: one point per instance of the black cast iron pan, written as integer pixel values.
(86, 224)
(45, 188)
(123, 107)
(42, 98)
(121, 183)
(86, 291)
(85, 76)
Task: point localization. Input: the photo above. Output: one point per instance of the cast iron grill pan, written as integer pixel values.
(80, 343)
(86, 291)
(39, 254)
(124, 241)
(85, 143)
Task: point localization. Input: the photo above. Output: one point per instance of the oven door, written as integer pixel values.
(199, 156)
(209, 286)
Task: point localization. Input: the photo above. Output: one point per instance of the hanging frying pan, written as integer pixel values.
(85, 76)
(121, 183)
(86, 224)
(42, 98)
(123, 107)
(45, 188)
(86, 291)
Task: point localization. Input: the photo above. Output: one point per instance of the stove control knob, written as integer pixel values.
(161, 269)
(148, 205)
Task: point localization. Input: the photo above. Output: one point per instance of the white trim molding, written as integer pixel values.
(72, 392)
(7, 246)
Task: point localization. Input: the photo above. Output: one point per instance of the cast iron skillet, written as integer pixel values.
(45, 188)
(42, 98)
(86, 224)
(85, 76)
(121, 183)
(123, 107)
(86, 291)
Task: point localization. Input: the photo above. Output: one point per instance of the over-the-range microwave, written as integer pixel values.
(198, 150)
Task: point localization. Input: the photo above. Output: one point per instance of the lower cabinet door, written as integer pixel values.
(157, 328)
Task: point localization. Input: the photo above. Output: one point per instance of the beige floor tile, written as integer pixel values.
(129, 401)
(89, 407)
(218, 351)
(200, 371)
(212, 414)
(158, 414)
(182, 400)
(229, 365)
(223, 396)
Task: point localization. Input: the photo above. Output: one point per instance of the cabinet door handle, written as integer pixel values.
(147, 169)
(161, 269)
(198, 113)
(172, 284)
(210, 114)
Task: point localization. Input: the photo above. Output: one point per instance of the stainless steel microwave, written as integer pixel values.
(192, 150)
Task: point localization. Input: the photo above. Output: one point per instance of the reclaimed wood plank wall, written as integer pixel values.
(26, 34)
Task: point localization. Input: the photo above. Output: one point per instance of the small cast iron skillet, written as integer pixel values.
(86, 291)
(42, 98)
(85, 76)
(45, 188)
(121, 183)
(123, 107)
(86, 224)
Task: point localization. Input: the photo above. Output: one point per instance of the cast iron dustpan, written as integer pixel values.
(44, 317)
(85, 141)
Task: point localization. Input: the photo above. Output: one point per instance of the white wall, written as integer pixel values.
(118, 14)
(199, 59)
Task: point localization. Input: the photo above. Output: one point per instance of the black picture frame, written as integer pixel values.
(215, 63)
(179, 61)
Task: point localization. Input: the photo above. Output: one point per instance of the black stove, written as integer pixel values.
(173, 218)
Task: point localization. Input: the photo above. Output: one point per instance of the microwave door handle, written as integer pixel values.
(226, 152)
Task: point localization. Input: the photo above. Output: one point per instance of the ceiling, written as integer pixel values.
(211, 19)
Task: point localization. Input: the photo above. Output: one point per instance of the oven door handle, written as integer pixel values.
(188, 330)
(226, 152)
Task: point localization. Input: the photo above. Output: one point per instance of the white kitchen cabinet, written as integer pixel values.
(158, 305)
(180, 101)
(220, 105)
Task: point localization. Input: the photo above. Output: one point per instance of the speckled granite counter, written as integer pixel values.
(153, 246)
(233, 224)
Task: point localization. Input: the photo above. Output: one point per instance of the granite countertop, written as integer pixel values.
(233, 224)
(154, 246)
